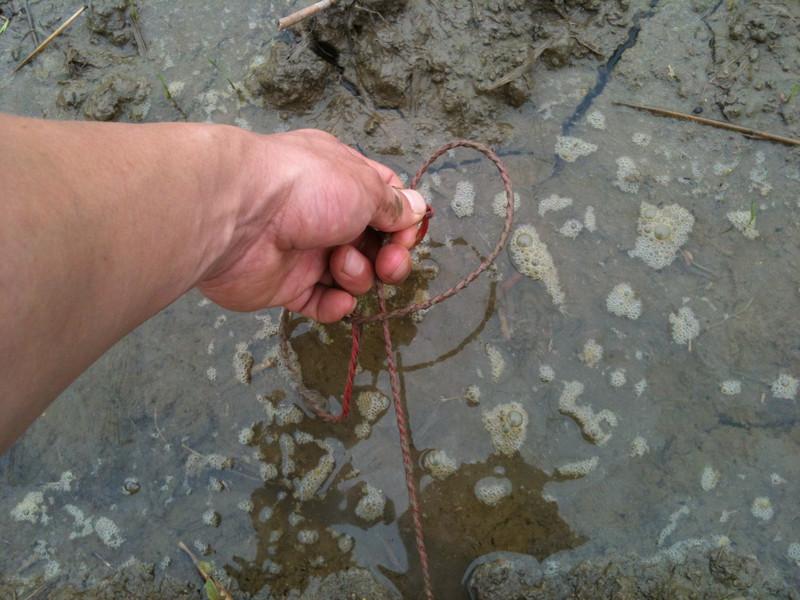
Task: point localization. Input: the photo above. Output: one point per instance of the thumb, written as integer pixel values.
(398, 209)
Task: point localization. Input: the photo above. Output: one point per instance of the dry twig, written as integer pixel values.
(533, 56)
(53, 36)
(304, 13)
(721, 124)
(31, 23)
(732, 316)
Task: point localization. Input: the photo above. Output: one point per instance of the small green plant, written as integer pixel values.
(168, 94)
(216, 66)
(214, 590)
(5, 25)
(166, 89)
(752, 212)
(211, 591)
(795, 89)
(133, 10)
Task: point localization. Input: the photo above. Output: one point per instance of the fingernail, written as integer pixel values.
(353, 264)
(416, 201)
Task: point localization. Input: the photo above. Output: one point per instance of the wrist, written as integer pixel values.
(233, 198)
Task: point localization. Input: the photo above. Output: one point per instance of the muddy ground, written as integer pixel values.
(396, 79)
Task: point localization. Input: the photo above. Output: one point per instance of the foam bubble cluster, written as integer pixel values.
(372, 404)
(685, 326)
(762, 508)
(247, 435)
(531, 257)
(243, 362)
(628, 175)
(108, 531)
(308, 536)
(554, 202)
(596, 119)
(546, 373)
(589, 219)
(623, 303)
(473, 395)
(268, 471)
(463, 202)
(287, 446)
(579, 468)
(592, 353)
(662, 231)
(308, 485)
(507, 424)
(500, 203)
(288, 415)
(785, 387)
(731, 387)
(709, 478)
(496, 361)
(617, 378)
(572, 148)
(438, 464)
(793, 552)
(584, 415)
(211, 518)
(491, 490)
(32, 508)
(571, 228)
(744, 222)
(639, 446)
(345, 543)
(371, 504)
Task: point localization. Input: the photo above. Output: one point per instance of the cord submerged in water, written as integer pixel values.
(316, 403)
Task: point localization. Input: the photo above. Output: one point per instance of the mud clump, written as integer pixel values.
(705, 573)
(288, 79)
(108, 18)
(765, 39)
(132, 580)
(353, 583)
(451, 64)
(109, 99)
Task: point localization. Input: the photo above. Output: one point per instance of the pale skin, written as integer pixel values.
(103, 225)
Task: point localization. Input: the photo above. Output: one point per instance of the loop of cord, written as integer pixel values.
(315, 401)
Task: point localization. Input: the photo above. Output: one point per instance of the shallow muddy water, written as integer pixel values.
(680, 433)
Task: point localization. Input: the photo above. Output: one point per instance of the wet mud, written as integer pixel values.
(694, 493)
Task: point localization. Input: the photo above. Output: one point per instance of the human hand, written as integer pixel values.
(303, 236)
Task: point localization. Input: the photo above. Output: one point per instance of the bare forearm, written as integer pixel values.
(102, 226)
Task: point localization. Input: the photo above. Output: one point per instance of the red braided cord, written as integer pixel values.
(405, 446)
(313, 399)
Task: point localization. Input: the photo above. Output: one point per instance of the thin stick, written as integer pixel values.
(533, 56)
(50, 39)
(31, 23)
(733, 316)
(141, 46)
(712, 122)
(304, 13)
